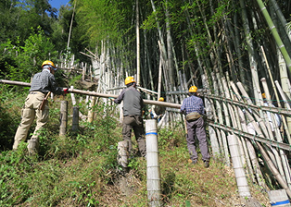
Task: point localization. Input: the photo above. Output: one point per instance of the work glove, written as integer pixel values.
(66, 91)
(111, 98)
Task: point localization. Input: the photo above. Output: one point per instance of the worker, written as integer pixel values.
(42, 83)
(193, 108)
(132, 115)
(156, 111)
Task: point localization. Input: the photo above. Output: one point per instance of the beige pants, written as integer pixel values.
(29, 111)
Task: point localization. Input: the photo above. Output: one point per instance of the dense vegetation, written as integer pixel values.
(80, 169)
(151, 39)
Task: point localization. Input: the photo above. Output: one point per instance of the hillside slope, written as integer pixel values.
(80, 169)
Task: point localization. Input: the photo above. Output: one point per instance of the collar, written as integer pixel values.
(46, 70)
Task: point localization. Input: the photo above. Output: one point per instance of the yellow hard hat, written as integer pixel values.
(263, 95)
(48, 62)
(161, 99)
(129, 79)
(193, 89)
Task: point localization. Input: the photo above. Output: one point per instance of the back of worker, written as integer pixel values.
(132, 102)
(132, 115)
(42, 83)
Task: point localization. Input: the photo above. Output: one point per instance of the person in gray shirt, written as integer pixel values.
(132, 112)
(42, 83)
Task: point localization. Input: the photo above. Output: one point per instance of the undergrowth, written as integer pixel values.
(80, 168)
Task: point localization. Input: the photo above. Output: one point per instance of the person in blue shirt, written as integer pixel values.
(193, 108)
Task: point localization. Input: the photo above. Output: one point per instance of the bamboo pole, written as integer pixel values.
(153, 168)
(241, 180)
(250, 136)
(275, 91)
(75, 123)
(251, 156)
(277, 161)
(274, 170)
(210, 113)
(235, 124)
(160, 74)
(95, 94)
(64, 117)
(219, 112)
(91, 112)
(286, 106)
(275, 34)
(171, 105)
(122, 150)
(278, 135)
(137, 42)
(250, 48)
(227, 121)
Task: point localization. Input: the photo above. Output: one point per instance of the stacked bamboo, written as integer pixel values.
(240, 115)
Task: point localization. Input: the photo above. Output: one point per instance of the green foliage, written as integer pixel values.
(10, 105)
(20, 62)
(102, 19)
(18, 17)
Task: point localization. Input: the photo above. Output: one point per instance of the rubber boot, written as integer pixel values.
(33, 146)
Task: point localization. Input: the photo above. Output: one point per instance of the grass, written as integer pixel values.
(80, 169)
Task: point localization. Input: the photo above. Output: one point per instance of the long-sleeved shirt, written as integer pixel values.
(192, 104)
(44, 82)
(132, 101)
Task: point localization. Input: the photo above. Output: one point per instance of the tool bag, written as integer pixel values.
(192, 116)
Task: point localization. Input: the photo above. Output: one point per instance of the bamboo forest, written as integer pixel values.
(238, 55)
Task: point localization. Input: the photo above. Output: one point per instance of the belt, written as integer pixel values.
(36, 92)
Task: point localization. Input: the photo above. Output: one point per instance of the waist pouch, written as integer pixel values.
(192, 116)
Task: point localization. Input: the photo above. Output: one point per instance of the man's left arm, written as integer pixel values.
(119, 98)
(53, 86)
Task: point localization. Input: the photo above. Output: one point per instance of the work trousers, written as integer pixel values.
(197, 128)
(29, 111)
(134, 123)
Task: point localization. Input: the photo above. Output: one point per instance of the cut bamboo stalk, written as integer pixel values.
(219, 112)
(233, 119)
(241, 180)
(227, 121)
(122, 157)
(274, 170)
(64, 117)
(286, 106)
(153, 168)
(75, 123)
(278, 135)
(277, 160)
(274, 89)
(91, 112)
(250, 154)
(251, 137)
(250, 106)
(209, 114)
